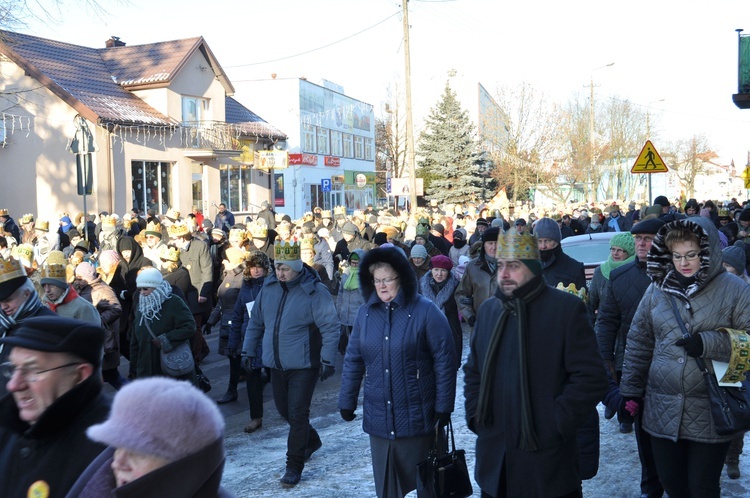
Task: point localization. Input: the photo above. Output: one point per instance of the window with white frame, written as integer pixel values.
(348, 145)
(359, 145)
(336, 143)
(308, 138)
(194, 110)
(324, 141)
(152, 185)
(368, 149)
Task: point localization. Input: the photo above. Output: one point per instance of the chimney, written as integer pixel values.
(114, 41)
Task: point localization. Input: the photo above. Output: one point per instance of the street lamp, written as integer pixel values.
(591, 128)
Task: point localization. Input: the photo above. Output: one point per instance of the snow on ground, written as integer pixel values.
(341, 468)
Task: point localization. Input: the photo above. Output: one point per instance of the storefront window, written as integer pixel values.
(151, 185)
(234, 182)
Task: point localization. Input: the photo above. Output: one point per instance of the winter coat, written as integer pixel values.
(179, 278)
(324, 256)
(444, 299)
(404, 351)
(456, 253)
(344, 248)
(561, 268)
(349, 301)
(622, 223)
(296, 322)
(197, 261)
(55, 449)
(566, 382)
(675, 397)
(477, 284)
(128, 271)
(194, 476)
(228, 292)
(175, 321)
(74, 306)
(268, 216)
(627, 284)
(104, 299)
(241, 317)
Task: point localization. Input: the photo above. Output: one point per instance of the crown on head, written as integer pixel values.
(155, 227)
(513, 245)
(286, 251)
(339, 212)
(24, 252)
(571, 288)
(56, 258)
(326, 213)
(237, 235)
(108, 221)
(169, 253)
(58, 272)
(178, 229)
(10, 269)
(27, 218)
(307, 244)
(42, 225)
(173, 214)
(4, 212)
(258, 231)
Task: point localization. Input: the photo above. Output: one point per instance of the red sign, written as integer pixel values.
(308, 159)
(332, 161)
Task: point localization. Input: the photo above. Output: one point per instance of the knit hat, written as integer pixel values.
(662, 201)
(439, 228)
(458, 234)
(418, 251)
(66, 224)
(441, 261)
(521, 222)
(380, 239)
(149, 278)
(207, 225)
(86, 271)
(623, 240)
(150, 416)
(734, 256)
(109, 258)
(482, 222)
(58, 334)
(349, 228)
(491, 234)
(547, 228)
(497, 222)
(745, 215)
(235, 255)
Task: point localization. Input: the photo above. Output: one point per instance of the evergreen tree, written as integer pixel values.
(448, 151)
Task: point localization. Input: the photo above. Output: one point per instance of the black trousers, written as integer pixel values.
(688, 469)
(292, 394)
(650, 483)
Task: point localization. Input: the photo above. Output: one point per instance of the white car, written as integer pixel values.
(591, 249)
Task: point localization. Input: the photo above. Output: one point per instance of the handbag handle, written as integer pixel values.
(450, 445)
(686, 334)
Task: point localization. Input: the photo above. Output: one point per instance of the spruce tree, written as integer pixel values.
(448, 152)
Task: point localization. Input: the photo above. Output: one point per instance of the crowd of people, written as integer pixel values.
(390, 293)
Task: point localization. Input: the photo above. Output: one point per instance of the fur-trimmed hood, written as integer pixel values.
(398, 261)
(660, 266)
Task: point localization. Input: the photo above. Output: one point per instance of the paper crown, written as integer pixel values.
(339, 211)
(42, 225)
(237, 235)
(513, 245)
(56, 258)
(153, 228)
(258, 231)
(326, 213)
(286, 251)
(27, 218)
(571, 289)
(307, 245)
(169, 253)
(55, 271)
(24, 252)
(4, 212)
(10, 269)
(308, 216)
(178, 229)
(108, 222)
(173, 214)
(723, 213)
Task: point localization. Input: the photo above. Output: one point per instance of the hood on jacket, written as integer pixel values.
(660, 266)
(398, 261)
(126, 243)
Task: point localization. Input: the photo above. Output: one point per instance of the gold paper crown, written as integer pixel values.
(172, 213)
(169, 253)
(237, 235)
(154, 227)
(517, 246)
(258, 231)
(307, 244)
(326, 213)
(178, 229)
(571, 288)
(56, 258)
(42, 225)
(4, 212)
(339, 211)
(723, 213)
(286, 251)
(108, 221)
(10, 269)
(27, 218)
(308, 216)
(24, 252)
(57, 272)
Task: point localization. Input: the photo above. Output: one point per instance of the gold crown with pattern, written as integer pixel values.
(24, 252)
(10, 269)
(172, 214)
(339, 211)
(27, 218)
(237, 235)
(326, 213)
(286, 251)
(258, 230)
(178, 229)
(42, 225)
(54, 271)
(307, 244)
(154, 228)
(169, 253)
(513, 245)
(108, 222)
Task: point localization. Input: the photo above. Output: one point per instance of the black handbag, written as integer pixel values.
(730, 406)
(444, 474)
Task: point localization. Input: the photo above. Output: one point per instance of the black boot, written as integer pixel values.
(228, 397)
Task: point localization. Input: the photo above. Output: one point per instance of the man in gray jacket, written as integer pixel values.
(295, 317)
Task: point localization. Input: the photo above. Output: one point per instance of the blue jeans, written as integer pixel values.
(292, 394)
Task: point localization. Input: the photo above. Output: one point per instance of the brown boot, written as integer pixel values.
(254, 425)
(733, 468)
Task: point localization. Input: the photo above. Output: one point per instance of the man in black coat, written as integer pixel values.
(557, 266)
(517, 354)
(54, 379)
(627, 284)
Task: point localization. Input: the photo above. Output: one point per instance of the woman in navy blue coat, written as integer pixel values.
(404, 345)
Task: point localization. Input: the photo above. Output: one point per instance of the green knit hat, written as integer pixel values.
(624, 240)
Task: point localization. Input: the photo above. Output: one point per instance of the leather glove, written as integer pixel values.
(326, 371)
(693, 345)
(247, 363)
(442, 419)
(207, 329)
(471, 320)
(347, 415)
(630, 406)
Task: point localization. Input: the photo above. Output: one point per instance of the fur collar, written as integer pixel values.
(398, 261)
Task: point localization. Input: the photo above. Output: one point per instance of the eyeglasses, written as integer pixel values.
(617, 250)
(691, 256)
(386, 281)
(9, 369)
(641, 238)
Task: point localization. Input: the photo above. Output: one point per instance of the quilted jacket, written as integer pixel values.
(404, 351)
(675, 396)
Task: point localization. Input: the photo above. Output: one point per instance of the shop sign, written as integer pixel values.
(332, 161)
(306, 159)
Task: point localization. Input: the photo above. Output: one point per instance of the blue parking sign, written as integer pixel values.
(325, 184)
(388, 185)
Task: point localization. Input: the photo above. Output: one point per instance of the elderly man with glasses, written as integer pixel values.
(54, 379)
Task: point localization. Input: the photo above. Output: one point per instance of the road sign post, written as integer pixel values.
(649, 161)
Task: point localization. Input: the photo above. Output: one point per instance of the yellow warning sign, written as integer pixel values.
(649, 161)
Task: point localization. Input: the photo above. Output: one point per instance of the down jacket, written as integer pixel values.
(675, 397)
(296, 322)
(404, 352)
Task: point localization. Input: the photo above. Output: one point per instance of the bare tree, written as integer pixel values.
(691, 158)
(624, 132)
(390, 140)
(15, 14)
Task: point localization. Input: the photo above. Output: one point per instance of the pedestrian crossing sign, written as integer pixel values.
(649, 161)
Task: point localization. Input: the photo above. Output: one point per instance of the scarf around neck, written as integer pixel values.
(611, 264)
(27, 309)
(352, 283)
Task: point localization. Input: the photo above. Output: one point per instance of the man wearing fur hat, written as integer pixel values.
(295, 319)
(53, 375)
(60, 297)
(479, 281)
(517, 354)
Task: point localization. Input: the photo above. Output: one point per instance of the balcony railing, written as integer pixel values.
(211, 135)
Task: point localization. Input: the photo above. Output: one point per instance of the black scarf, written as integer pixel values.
(515, 304)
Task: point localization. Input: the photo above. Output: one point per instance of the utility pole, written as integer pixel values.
(592, 161)
(409, 121)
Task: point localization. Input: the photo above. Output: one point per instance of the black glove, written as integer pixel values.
(347, 415)
(247, 363)
(471, 320)
(326, 371)
(442, 419)
(693, 345)
(207, 329)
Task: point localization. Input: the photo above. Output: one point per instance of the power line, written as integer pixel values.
(318, 48)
